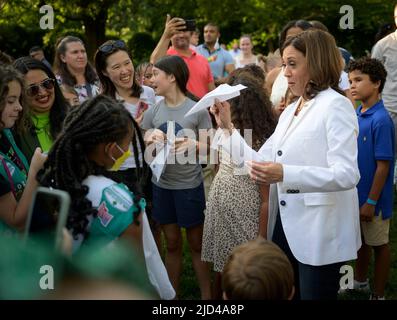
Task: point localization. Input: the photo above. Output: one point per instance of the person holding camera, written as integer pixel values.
(179, 32)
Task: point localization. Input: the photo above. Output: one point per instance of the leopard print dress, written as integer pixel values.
(232, 213)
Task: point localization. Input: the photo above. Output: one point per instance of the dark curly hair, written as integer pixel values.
(251, 69)
(372, 67)
(59, 108)
(8, 74)
(252, 109)
(97, 120)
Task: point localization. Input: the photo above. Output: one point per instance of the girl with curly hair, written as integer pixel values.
(96, 139)
(237, 207)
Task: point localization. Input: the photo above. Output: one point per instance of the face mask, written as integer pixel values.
(119, 161)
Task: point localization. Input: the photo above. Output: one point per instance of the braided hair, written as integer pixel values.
(98, 120)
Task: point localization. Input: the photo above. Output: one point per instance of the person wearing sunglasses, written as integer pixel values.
(46, 106)
(17, 179)
(73, 69)
(118, 78)
(117, 75)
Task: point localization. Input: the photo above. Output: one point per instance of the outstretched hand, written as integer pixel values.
(221, 112)
(265, 172)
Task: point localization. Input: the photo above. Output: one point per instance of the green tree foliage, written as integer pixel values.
(141, 22)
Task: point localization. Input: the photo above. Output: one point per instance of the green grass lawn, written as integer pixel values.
(391, 288)
(189, 287)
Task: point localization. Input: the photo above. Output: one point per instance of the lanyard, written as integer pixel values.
(19, 155)
(8, 173)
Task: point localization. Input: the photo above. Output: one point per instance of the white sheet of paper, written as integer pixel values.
(159, 162)
(157, 273)
(222, 93)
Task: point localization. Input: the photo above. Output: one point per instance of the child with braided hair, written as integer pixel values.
(95, 139)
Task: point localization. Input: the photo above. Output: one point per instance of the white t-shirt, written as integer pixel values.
(344, 83)
(146, 96)
(149, 98)
(279, 88)
(385, 50)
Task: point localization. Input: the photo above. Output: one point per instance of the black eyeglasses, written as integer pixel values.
(118, 44)
(34, 89)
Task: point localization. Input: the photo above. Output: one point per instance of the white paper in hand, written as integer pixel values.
(157, 273)
(222, 93)
(158, 164)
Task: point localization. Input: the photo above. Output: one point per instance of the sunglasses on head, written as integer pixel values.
(34, 89)
(108, 47)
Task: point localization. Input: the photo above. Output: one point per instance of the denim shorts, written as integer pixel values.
(184, 207)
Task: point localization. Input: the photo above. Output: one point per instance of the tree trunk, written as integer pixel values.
(95, 31)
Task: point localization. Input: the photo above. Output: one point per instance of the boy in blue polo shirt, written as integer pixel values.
(376, 162)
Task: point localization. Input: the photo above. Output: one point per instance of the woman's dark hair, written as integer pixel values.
(372, 67)
(61, 69)
(177, 67)
(60, 106)
(302, 24)
(323, 59)
(8, 74)
(252, 70)
(108, 88)
(97, 120)
(319, 25)
(5, 58)
(252, 109)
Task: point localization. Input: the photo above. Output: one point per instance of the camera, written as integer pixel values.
(190, 25)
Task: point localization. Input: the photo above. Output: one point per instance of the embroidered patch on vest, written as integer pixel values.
(103, 214)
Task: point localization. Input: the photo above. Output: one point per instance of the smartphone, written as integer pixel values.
(48, 214)
(190, 25)
(142, 107)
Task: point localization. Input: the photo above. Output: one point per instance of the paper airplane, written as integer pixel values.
(222, 93)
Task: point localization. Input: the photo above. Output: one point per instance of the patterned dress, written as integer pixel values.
(232, 214)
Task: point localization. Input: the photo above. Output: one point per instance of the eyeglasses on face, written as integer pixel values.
(108, 47)
(34, 89)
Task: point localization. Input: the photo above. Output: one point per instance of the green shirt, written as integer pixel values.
(42, 124)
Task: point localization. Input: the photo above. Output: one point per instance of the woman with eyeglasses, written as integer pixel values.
(17, 179)
(73, 69)
(46, 106)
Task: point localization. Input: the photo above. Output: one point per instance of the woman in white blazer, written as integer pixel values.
(311, 163)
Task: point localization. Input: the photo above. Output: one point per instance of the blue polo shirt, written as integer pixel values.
(375, 142)
(217, 59)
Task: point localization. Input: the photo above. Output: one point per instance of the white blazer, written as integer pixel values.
(317, 198)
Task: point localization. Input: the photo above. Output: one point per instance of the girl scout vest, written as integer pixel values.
(116, 207)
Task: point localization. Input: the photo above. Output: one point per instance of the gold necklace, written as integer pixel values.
(302, 103)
